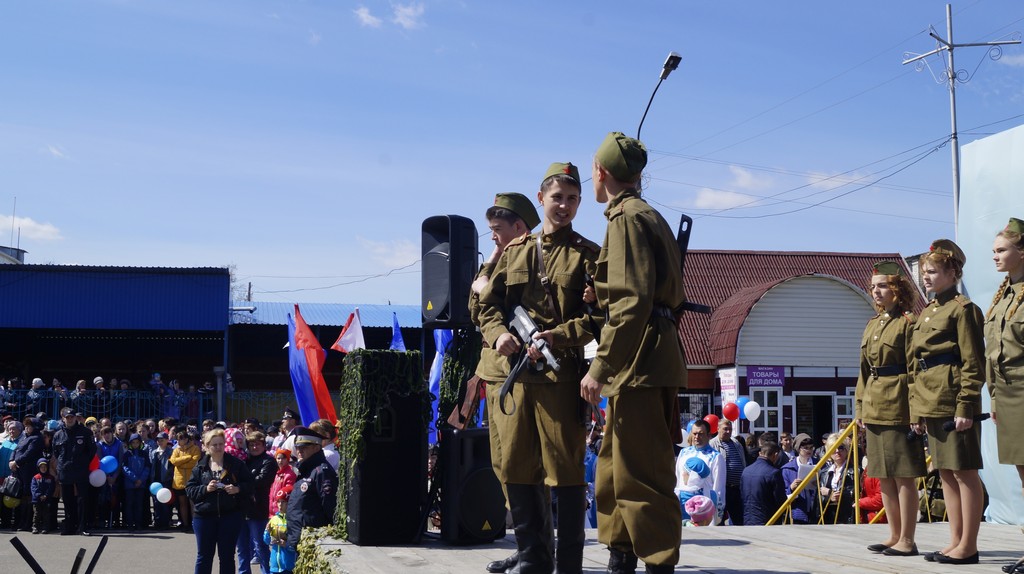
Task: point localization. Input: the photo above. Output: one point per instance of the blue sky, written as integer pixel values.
(304, 142)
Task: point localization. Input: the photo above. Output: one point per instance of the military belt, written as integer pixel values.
(887, 370)
(936, 360)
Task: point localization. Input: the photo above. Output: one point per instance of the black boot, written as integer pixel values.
(503, 565)
(659, 568)
(531, 517)
(572, 506)
(620, 562)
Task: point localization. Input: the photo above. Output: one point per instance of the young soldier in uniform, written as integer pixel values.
(883, 406)
(949, 348)
(639, 366)
(542, 438)
(1004, 333)
(511, 217)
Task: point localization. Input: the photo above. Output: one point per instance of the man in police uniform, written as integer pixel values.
(639, 366)
(74, 447)
(542, 436)
(289, 422)
(511, 217)
(315, 494)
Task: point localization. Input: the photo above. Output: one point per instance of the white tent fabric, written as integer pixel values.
(992, 191)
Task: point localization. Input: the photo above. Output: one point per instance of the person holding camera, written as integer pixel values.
(219, 485)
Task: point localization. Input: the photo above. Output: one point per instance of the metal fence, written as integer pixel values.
(135, 404)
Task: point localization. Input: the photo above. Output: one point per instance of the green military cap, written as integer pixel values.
(1015, 226)
(568, 169)
(624, 157)
(947, 247)
(518, 204)
(887, 268)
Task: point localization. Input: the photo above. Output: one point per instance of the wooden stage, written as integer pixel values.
(722, 550)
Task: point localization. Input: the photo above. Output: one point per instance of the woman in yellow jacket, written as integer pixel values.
(184, 458)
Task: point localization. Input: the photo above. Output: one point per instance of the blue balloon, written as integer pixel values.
(689, 427)
(108, 464)
(603, 404)
(154, 488)
(742, 402)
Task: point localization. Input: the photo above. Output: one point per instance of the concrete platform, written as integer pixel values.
(722, 550)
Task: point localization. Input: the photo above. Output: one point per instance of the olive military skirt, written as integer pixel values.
(891, 455)
(953, 450)
(1009, 407)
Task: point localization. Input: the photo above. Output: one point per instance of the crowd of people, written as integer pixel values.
(240, 488)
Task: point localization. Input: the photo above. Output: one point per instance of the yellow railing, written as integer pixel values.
(851, 431)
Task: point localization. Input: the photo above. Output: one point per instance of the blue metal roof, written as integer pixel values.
(93, 297)
(325, 314)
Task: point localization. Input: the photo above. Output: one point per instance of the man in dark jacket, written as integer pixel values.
(74, 447)
(316, 488)
(763, 488)
(23, 465)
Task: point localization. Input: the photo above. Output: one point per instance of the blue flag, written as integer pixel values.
(442, 338)
(397, 343)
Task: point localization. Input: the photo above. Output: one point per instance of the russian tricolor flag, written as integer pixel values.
(306, 362)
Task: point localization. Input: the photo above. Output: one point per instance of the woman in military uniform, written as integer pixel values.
(639, 366)
(1004, 333)
(883, 406)
(948, 350)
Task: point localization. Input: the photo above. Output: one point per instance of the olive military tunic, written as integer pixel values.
(640, 361)
(1005, 367)
(547, 418)
(950, 325)
(883, 400)
(492, 369)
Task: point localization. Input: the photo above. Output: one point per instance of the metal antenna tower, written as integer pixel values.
(952, 76)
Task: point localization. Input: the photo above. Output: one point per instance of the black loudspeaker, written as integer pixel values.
(389, 484)
(472, 503)
(449, 263)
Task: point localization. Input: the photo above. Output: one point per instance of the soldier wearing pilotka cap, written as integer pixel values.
(512, 216)
(542, 436)
(639, 367)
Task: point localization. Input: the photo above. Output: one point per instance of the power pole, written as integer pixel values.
(951, 78)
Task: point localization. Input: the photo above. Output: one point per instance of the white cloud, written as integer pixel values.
(1015, 60)
(408, 16)
(29, 229)
(744, 179)
(56, 152)
(394, 253)
(366, 18)
(829, 181)
(718, 199)
(314, 37)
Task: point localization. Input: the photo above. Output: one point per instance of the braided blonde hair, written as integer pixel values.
(1018, 241)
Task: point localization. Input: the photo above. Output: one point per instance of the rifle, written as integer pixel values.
(524, 328)
(683, 241)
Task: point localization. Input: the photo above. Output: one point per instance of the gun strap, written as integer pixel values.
(543, 274)
(513, 374)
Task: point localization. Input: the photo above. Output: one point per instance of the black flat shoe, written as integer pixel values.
(894, 552)
(931, 556)
(943, 559)
(877, 547)
(1015, 568)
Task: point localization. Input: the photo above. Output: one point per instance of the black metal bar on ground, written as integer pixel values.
(27, 556)
(78, 561)
(96, 556)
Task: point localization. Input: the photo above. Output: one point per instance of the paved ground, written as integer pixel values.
(156, 552)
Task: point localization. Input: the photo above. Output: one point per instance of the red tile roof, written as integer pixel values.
(731, 282)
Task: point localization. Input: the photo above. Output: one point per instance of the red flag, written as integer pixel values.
(315, 355)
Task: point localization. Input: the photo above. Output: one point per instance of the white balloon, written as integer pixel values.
(752, 410)
(163, 495)
(97, 478)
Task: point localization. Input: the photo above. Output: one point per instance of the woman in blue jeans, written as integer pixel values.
(219, 486)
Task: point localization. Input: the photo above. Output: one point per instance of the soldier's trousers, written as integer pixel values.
(637, 509)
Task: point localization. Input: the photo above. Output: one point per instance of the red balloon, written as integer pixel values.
(731, 411)
(713, 421)
(95, 464)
